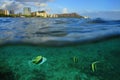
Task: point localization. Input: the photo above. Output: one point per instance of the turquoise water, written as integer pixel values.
(63, 63)
(75, 49)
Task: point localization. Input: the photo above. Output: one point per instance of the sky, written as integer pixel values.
(92, 8)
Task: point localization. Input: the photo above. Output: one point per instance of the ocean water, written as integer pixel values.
(56, 31)
(75, 49)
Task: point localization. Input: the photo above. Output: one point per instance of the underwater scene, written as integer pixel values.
(59, 49)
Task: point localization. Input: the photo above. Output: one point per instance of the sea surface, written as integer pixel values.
(56, 31)
(74, 49)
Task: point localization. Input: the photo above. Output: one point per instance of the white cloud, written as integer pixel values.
(40, 4)
(41, 1)
(11, 5)
(18, 5)
(65, 10)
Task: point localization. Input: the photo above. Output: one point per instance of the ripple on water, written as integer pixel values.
(58, 30)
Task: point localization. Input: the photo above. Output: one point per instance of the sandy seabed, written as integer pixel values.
(63, 63)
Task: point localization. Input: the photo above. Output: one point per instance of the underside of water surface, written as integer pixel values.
(92, 61)
(56, 31)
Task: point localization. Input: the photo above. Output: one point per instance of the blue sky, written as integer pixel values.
(91, 5)
(85, 7)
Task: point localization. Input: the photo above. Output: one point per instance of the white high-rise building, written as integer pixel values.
(27, 11)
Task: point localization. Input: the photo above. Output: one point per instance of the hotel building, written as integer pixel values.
(4, 12)
(26, 11)
(39, 14)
